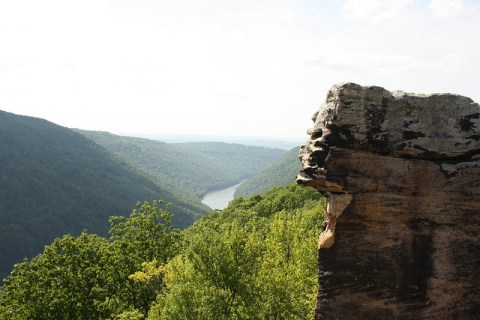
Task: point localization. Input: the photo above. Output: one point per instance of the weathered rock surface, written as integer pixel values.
(402, 176)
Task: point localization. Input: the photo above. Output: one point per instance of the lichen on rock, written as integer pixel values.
(401, 173)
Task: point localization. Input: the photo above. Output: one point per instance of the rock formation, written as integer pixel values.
(402, 176)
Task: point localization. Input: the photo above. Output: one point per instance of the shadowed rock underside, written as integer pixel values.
(402, 176)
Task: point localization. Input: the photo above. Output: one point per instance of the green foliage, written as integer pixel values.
(130, 315)
(254, 260)
(65, 282)
(288, 274)
(195, 167)
(54, 181)
(214, 278)
(87, 277)
(280, 173)
(147, 235)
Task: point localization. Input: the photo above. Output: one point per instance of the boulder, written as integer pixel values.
(401, 173)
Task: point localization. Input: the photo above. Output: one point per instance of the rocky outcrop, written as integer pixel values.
(402, 177)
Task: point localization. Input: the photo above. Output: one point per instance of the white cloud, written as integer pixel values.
(445, 8)
(374, 11)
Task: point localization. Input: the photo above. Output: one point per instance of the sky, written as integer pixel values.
(232, 67)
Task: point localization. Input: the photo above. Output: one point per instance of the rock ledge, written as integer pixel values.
(402, 175)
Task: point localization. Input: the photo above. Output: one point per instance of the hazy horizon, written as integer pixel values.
(286, 143)
(224, 68)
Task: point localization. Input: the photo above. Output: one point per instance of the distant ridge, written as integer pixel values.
(285, 143)
(192, 167)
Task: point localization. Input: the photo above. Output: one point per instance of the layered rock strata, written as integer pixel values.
(402, 176)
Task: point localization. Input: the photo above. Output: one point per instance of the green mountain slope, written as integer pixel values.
(54, 181)
(195, 167)
(280, 173)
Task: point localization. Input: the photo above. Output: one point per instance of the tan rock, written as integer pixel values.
(402, 176)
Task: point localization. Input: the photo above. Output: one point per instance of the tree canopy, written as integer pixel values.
(256, 259)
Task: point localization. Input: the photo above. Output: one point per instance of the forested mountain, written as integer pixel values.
(55, 181)
(256, 259)
(196, 167)
(280, 173)
(269, 142)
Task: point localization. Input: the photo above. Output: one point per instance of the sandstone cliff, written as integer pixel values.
(402, 176)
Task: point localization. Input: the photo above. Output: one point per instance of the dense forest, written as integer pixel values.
(195, 167)
(256, 259)
(57, 181)
(280, 173)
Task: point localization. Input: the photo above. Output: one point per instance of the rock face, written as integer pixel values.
(402, 176)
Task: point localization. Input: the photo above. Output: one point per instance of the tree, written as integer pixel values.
(66, 281)
(146, 235)
(87, 277)
(218, 269)
(288, 274)
(254, 260)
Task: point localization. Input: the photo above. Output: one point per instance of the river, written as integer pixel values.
(219, 199)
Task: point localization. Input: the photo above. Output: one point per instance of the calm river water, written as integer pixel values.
(219, 199)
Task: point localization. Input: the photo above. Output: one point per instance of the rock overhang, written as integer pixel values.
(401, 173)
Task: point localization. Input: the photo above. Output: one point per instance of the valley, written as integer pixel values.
(57, 181)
